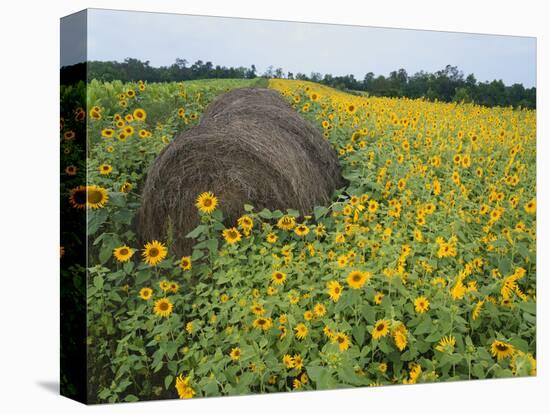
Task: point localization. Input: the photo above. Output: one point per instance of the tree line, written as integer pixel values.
(448, 84)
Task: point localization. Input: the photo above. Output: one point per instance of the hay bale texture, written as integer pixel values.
(250, 147)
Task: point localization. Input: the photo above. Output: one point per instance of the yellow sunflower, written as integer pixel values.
(146, 293)
(164, 285)
(154, 252)
(123, 253)
(400, 337)
(342, 260)
(126, 187)
(328, 332)
(257, 309)
(163, 307)
(446, 344)
(271, 238)
(278, 277)
(286, 223)
(173, 287)
(378, 298)
(206, 202)
(319, 310)
(298, 362)
(421, 304)
(357, 279)
(129, 131)
(139, 114)
(477, 309)
(105, 169)
(262, 323)
(373, 206)
(301, 331)
(288, 361)
(184, 388)
(302, 230)
(381, 329)
(185, 263)
(245, 222)
(531, 206)
(231, 235)
(235, 354)
(501, 349)
(342, 340)
(108, 133)
(334, 290)
(97, 196)
(95, 113)
(351, 108)
(320, 230)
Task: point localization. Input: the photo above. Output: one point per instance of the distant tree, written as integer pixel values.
(268, 72)
(279, 73)
(367, 81)
(315, 77)
(462, 95)
(447, 84)
(181, 63)
(251, 73)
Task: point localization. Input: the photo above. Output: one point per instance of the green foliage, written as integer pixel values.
(228, 298)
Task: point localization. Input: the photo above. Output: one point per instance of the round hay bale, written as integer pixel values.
(243, 98)
(256, 151)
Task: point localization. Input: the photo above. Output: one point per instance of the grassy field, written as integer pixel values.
(421, 270)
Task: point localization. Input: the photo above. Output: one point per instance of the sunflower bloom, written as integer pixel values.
(184, 388)
(206, 202)
(163, 307)
(421, 304)
(235, 354)
(301, 331)
(123, 253)
(357, 279)
(334, 290)
(501, 350)
(232, 235)
(342, 340)
(146, 293)
(278, 277)
(185, 263)
(154, 253)
(381, 329)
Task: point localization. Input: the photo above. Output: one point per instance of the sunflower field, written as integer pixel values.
(421, 269)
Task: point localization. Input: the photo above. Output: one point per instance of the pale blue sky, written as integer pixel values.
(306, 47)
